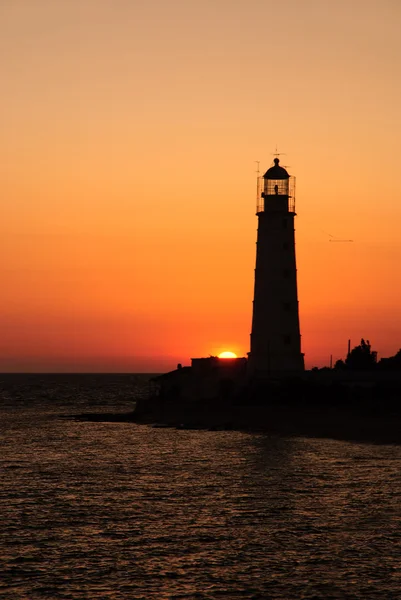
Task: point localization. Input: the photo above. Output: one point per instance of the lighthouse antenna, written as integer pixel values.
(258, 184)
(276, 154)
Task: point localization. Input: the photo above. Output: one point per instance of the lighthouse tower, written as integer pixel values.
(275, 337)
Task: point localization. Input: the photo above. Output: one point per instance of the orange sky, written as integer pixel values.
(129, 135)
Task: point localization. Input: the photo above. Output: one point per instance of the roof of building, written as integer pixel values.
(276, 172)
(171, 374)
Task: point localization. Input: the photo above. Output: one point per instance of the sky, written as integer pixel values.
(129, 135)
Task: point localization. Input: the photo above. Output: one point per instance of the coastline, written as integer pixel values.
(320, 421)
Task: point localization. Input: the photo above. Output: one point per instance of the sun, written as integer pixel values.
(227, 355)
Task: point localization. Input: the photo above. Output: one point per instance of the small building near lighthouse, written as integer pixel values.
(275, 338)
(205, 379)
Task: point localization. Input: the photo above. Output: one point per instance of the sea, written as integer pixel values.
(116, 510)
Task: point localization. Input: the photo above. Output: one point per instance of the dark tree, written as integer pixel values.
(393, 363)
(340, 365)
(361, 358)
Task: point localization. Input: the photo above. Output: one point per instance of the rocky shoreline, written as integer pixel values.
(335, 422)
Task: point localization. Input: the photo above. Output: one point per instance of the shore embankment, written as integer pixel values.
(335, 422)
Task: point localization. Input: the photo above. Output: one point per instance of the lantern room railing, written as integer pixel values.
(275, 195)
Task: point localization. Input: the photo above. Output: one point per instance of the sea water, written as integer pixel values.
(95, 510)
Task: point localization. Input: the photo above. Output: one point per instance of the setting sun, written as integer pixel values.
(227, 355)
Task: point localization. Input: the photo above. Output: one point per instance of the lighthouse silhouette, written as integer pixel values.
(275, 337)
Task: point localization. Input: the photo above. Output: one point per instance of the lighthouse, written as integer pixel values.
(275, 337)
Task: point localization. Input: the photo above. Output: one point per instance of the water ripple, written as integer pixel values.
(120, 511)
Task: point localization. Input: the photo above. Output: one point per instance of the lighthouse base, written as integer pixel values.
(264, 366)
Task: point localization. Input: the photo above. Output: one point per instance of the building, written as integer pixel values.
(275, 337)
(205, 379)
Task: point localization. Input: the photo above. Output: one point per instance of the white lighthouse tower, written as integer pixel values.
(275, 337)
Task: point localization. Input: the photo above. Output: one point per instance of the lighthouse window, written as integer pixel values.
(287, 339)
(286, 306)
